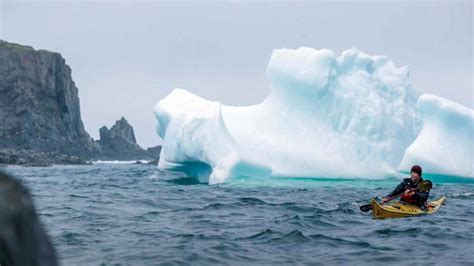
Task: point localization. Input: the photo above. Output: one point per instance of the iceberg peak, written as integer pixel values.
(326, 116)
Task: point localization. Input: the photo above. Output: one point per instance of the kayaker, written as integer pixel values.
(412, 197)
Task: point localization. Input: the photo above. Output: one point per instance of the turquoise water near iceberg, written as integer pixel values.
(138, 215)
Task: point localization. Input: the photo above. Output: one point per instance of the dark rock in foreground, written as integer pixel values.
(23, 240)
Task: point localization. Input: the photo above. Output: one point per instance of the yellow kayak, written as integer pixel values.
(399, 209)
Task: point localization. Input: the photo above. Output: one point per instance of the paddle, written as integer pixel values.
(422, 187)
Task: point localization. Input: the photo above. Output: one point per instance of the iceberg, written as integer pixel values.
(326, 116)
(445, 144)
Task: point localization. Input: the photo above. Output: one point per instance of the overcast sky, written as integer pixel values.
(126, 56)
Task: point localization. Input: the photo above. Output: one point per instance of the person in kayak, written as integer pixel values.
(417, 198)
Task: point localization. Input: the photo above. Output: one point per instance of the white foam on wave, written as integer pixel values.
(119, 162)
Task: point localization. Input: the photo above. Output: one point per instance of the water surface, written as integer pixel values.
(139, 215)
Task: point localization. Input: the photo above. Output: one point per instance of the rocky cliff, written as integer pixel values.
(39, 103)
(40, 117)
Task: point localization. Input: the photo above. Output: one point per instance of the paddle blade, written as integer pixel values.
(366, 208)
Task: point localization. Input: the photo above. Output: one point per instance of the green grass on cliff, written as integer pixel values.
(15, 46)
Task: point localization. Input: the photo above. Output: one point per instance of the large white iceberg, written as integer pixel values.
(445, 144)
(326, 116)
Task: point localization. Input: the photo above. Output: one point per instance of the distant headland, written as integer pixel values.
(41, 117)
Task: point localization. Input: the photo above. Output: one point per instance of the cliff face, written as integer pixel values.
(39, 103)
(119, 143)
(40, 118)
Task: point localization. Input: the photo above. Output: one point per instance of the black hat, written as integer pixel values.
(416, 169)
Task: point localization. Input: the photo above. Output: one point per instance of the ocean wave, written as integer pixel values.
(462, 195)
(117, 214)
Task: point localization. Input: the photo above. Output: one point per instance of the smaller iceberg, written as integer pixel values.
(445, 144)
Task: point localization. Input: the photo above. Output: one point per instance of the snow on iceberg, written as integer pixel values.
(326, 116)
(445, 144)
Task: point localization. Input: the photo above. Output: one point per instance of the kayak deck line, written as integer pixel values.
(399, 210)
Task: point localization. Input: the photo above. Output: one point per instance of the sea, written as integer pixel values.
(136, 214)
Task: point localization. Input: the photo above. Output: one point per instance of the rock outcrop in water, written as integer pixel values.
(23, 240)
(119, 143)
(40, 114)
(154, 151)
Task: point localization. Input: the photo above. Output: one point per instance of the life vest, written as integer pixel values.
(408, 199)
(411, 185)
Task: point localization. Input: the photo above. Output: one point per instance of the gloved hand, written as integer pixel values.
(408, 193)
